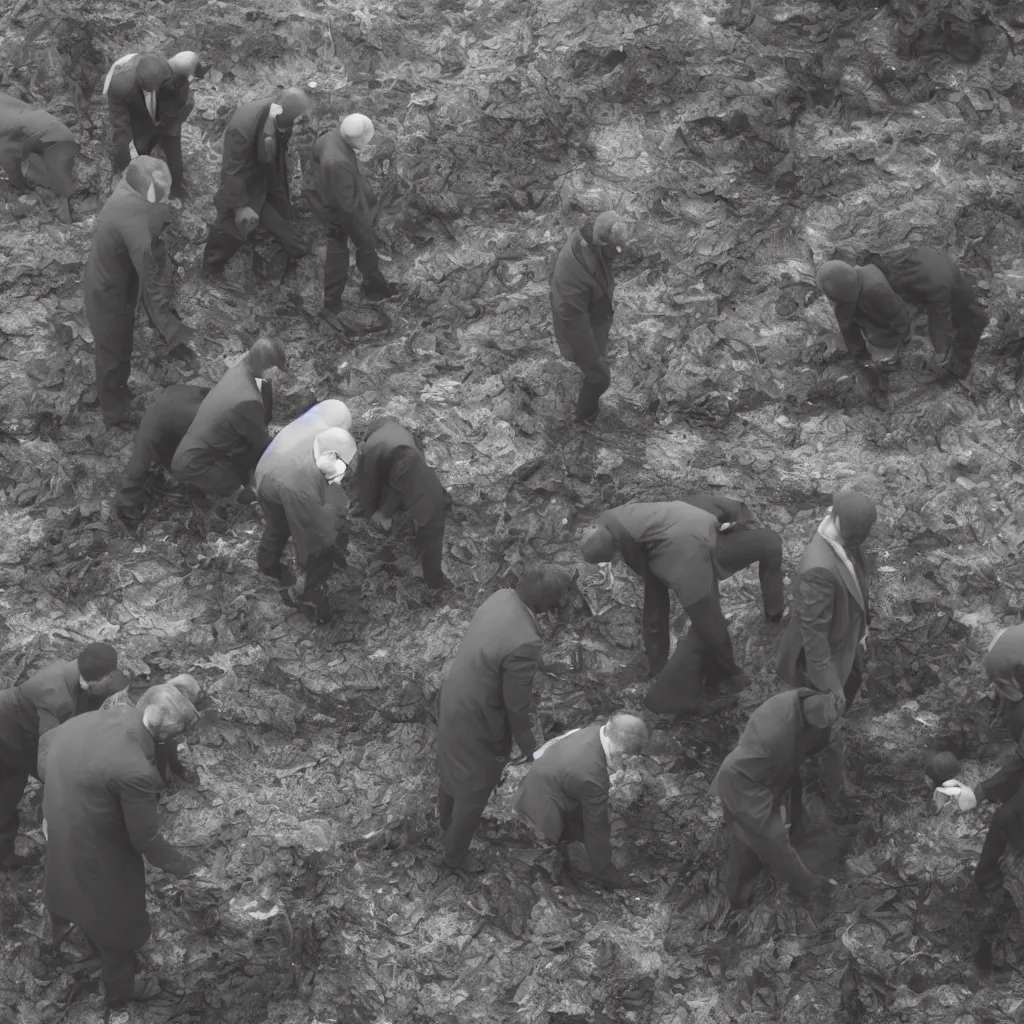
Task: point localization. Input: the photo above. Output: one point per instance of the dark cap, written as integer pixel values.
(857, 514)
(96, 661)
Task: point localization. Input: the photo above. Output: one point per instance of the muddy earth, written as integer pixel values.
(746, 142)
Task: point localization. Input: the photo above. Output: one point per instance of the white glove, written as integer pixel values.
(957, 791)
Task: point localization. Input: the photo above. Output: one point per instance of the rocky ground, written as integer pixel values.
(746, 142)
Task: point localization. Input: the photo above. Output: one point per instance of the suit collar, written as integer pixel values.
(850, 581)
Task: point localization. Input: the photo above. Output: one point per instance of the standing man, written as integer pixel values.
(148, 99)
(822, 646)
(487, 701)
(297, 485)
(229, 432)
(126, 252)
(341, 198)
(741, 542)
(929, 279)
(874, 321)
(100, 804)
(393, 475)
(254, 179)
(564, 795)
(29, 712)
(46, 147)
(671, 545)
(582, 288)
(760, 789)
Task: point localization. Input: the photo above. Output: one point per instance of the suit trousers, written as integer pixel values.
(597, 378)
(337, 263)
(703, 656)
(743, 546)
(1006, 829)
(113, 339)
(218, 480)
(430, 545)
(969, 322)
(150, 449)
(118, 964)
(460, 818)
(276, 532)
(224, 238)
(12, 788)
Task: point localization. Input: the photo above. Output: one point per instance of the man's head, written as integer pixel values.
(184, 64)
(266, 353)
(610, 233)
(853, 514)
(357, 130)
(334, 450)
(150, 177)
(942, 766)
(839, 281)
(97, 671)
(820, 710)
(598, 544)
(166, 711)
(294, 103)
(543, 588)
(151, 72)
(625, 734)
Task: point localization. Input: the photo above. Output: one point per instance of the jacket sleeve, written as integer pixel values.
(237, 161)
(772, 845)
(725, 510)
(597, 828)
(368, 480)
(407, 486)
(350, 202)
(121, 124)
(140, 249)
(813, 596)
(517, 672)
(940, 323)
(138, 796)
(180, 103)
(248, 422)
(850, 330)
(314, 525)
(1006, 782)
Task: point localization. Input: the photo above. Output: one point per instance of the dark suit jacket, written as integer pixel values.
(392, 474)
(487, 698)
(25, 129)
(228, 428)
(338, 193)
(828, 616)
(571, 775)
(673, 539)
(253, 164)
(879, 313)
(50, 696)
(725, 510)
(100, 804)
(582, 290)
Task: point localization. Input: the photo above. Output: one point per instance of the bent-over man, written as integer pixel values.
(487, 701)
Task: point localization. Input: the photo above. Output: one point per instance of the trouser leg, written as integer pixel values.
(741, 872)
(679, 686)
(853, 681)
(171, 145)
(10, 161)
(118, 973)
(136, 474)
(655, 622)
(335, 268)
(969, 322)
(276, 532)
(222, 242)
(217, 481)
(1007, 828)
(466, 813)
(445, 806)
(318, 571)
(12, 787)
(430, 543)
(368, 262)
(274, 217)
(113, 341)
(573, 831)
(739, 548)
(597, 378)
(54, 168)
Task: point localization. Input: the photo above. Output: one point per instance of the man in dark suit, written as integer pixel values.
(582, 290)
(28, 715)
(393, 475)
(100, 805)
(228, 435)
(671, 546)
(486, 702)
(149, 99)
(564, 795)
(254, 179)
(760, 789)
(821, 647)
(340, 197)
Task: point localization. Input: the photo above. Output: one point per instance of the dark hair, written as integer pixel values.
(96, 661)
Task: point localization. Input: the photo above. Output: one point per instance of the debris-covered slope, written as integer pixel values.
(746, 142)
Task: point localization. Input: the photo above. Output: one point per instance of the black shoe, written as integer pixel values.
(126, 421)
(379, 290)
(183, 354)
(774, 619)
(330, 317)
(469, 865)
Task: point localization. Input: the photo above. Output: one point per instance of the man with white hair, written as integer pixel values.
(167, 761)
(297, 485)
(100, 804)
(340, 197)
(564, 795)
(148, 99)
(254, 179)
(127, 250)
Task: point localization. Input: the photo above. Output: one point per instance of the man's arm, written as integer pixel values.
(772, 846)
(315, 524)
(138, 796)
(517, 672)
(940, 324)
(140, 250)
(121, 123)
(249, 424)
(1005, 783)
(597, 827)
(725, 510)
(813, 598)
(236, 164)
(572, 305)
(355, 213)
(850, 330)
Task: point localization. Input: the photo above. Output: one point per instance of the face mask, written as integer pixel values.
(329, 463)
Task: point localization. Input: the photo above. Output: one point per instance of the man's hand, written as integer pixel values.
(822, 885)
(381, 521)
(726, 527)
(246, 219)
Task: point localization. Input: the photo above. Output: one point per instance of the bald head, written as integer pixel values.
(839, 281)
(357, 130)
(626, 734)
(150, 177)
(265, 353)
(294, 103)
(598, 544)
(166, 711)
(821, 710)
